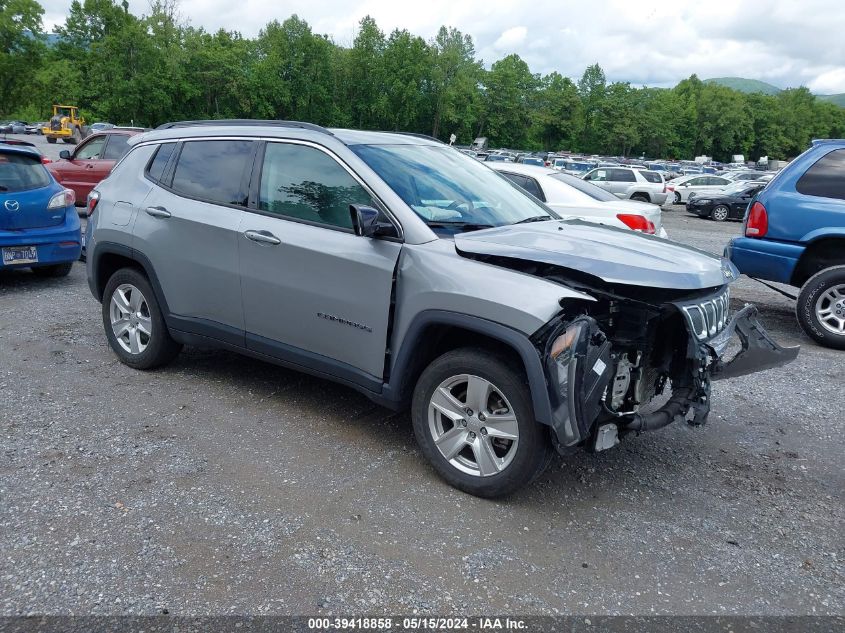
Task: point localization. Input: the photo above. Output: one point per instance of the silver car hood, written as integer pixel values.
(617, 256)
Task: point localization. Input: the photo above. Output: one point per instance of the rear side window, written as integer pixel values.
(826, 178)
(156, 169)
(304, 183)
(116, 147)
(21, 173)
(213, 171)
(651, 176)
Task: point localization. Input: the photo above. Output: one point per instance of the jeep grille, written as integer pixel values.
(709, 317)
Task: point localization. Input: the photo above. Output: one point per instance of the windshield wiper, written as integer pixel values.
(469, 226)
(536, 218)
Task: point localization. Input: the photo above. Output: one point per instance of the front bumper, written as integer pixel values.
(759, 351)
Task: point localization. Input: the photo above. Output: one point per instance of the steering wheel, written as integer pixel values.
(459, 203)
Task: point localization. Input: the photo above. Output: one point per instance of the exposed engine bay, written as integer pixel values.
(637, 359)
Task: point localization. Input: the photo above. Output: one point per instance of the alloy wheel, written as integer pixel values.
(130, 319)
(720, 213)
(473, 425)
(830, 309)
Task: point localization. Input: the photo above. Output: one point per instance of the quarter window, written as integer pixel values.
(826, 178)
(156, 169)
(213, 171)
(304, 183)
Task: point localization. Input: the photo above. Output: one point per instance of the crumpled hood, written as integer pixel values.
(617, 256)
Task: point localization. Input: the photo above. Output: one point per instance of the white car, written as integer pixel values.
(571, 197)
(682, 186)
(630, 183)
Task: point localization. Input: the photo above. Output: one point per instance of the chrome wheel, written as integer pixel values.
(473, 425)
(830, 309)
(130, 319)
(720, 213)
(678, 199)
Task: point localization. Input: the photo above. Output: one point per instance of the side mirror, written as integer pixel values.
(64, 154)
(364, 220)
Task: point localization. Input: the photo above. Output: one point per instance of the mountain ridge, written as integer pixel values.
(750, 86)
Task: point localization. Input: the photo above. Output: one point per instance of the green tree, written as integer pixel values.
(455, 77)
(591, 89)
(20, 48)
(558, 116)
(509, 91)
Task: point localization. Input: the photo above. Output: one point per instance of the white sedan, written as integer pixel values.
(572, 197)
(683, 186)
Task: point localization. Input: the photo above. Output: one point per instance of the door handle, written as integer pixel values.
(262, 237)
(158, 212)
(89, 166)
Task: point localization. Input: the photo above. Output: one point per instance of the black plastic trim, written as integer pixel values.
(397, 389)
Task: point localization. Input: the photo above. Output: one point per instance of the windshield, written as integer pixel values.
(21, 173)
(447, 189)
(594, 191)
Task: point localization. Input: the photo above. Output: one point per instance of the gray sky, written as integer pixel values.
(654, 42)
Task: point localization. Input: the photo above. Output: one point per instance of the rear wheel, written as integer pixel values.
(474, 422)
(821, 307)
(51, 139)
(720, 213)
(678, 199)
(640, 197)
(58, 270)
(134, 325)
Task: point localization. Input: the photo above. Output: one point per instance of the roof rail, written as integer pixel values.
(245, 123)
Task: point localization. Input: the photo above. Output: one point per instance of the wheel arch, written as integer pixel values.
(821, 253)
(435, 332)
(109, 257)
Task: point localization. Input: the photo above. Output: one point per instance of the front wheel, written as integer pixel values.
(821, 307)
(134, 325)
(720, 213)
(474, 422)
(51, 139)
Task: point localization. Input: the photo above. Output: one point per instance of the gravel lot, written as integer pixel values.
(225, 485)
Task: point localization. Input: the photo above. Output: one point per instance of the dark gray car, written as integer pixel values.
(402, 268)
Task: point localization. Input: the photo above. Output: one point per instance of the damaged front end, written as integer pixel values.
(628, 365)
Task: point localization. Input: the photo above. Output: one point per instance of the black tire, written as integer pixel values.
(161, 348)
(58, 270)
(805, 308)
(678, 199)
(51, 139)
(720, 213)
(533, 448)
(641, 197)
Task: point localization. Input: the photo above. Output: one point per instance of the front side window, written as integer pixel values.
(447, 189)
(826, 178)
(213, 171)
(304, 183)
(116, 147)
(91, 150)
(599, 175)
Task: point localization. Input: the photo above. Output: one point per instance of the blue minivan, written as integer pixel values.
(794, 233)
(39, 225)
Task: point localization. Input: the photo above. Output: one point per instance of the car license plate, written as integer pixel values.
(20, 255)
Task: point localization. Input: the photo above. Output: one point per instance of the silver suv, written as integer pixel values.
(400, 267)
(630, 183)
